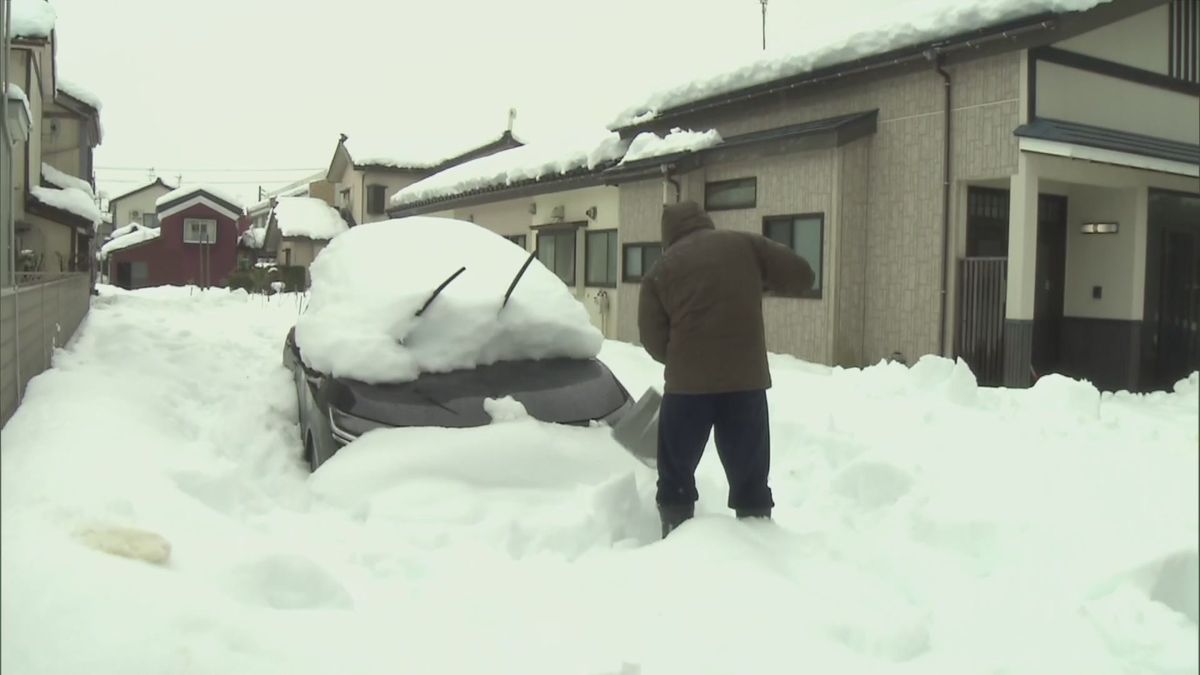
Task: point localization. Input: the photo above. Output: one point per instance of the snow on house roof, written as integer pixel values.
(255, 237)
(77, 91)
(147, 184)
(31, 19)
(64, 180)
(851, 35)
(308, 217)
(130, 235)
(528, 162)
(70, 200)
(408, 151)
(15, 93)
(648, 144)
(189, 190)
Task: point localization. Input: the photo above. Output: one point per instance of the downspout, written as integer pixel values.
(666, 171)
(938, 59)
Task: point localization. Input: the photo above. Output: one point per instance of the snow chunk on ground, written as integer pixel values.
(255, 237)
(130, 235)
(31, 19)
(64, 180)
(70, 200)
(15, 93)
(1060, 396)
(649, 144)
(369, 284)
(76, 90)
(507, 409)
(852, 35)
(530, 162)
(187, 190)
(308, 217)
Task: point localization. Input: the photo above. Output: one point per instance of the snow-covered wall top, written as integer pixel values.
(31, 19)
(61, 179)
(408, 151)
(648, 144)
(15, 93)
(76, 90)
(902, 23)
(70, 200)
(528, 162)
(188, 190)
(308, 217)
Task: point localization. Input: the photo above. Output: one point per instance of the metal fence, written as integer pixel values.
(38, 315)
(982, 294)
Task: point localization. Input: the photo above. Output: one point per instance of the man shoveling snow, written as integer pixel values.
(700, 314)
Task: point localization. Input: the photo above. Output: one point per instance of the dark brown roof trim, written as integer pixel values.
(157, 181)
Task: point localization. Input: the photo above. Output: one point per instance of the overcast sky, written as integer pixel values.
(247, 92)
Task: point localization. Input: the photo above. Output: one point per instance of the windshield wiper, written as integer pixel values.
(437, 291)
(520, 273)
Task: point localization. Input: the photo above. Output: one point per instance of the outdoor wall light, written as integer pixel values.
(1098, 228)
(591, 212)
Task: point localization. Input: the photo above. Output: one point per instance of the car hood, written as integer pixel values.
(566, 391)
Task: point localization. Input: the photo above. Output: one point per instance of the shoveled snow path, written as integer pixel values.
(924, 525)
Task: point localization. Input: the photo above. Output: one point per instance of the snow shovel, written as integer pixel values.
(637, 431)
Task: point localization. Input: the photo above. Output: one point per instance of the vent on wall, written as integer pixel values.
(559, 213)
(1184, 42)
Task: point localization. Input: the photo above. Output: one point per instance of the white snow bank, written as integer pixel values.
(70, 200)
(845, 35)
(308, 217)
(369, 283)
(64, 180)
(31, 19)
(188, 190)
(923, 525)
(130, 235)
(76, 90)
(408, 150)
(648, 144)
(528, 162)
(15, 93)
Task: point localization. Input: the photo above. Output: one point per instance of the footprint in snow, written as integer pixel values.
(286, 581)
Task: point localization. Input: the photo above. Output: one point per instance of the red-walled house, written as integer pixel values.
(196, 243)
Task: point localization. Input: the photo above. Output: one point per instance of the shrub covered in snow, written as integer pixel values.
(369, 284)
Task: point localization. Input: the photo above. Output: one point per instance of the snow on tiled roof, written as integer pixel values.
(647, 144)
(31, 19)
(64, 180)
(833, 39)
(78, 91)
(308, 217)
(130, 235)
(407, 150)
(70, 200)
(187, 190)
(529, 162)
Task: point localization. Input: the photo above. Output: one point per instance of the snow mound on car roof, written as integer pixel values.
(369, 284)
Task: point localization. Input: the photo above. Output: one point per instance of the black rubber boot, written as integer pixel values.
(764, 514)
(672, 516)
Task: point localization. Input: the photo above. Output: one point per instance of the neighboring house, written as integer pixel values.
(1021, 197)
(365, 173)
(311, 186)
(299, 227)
(196, 242)
(138, 205)
(53, 226)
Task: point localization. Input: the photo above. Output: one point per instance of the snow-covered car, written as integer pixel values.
(422, 321)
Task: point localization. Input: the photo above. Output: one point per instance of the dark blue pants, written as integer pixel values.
(743, 440)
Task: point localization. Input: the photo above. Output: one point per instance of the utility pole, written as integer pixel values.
(764, 23)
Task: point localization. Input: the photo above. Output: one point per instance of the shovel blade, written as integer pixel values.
(637, 431)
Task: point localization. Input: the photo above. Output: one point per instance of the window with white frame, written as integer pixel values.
(199, 231)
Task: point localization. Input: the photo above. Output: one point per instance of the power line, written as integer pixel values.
(210, 182)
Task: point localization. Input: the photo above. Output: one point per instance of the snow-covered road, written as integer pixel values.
(924, 525)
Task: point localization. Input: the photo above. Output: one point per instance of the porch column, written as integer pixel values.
(1022, 273)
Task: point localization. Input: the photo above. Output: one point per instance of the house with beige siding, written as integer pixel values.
(366, 172)
(1028, 199)
(138, 204)
(1023, 194)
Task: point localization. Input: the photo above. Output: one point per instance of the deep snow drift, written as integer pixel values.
(924, 525)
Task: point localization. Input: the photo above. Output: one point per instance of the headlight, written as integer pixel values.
(346, 427)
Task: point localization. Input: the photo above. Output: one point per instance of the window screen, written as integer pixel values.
(602, 258)
(556, 250)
